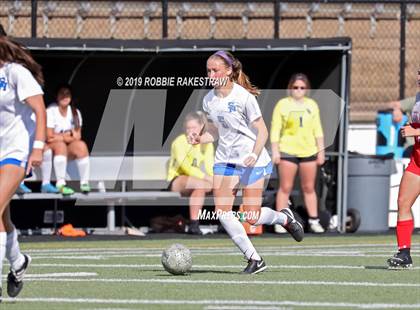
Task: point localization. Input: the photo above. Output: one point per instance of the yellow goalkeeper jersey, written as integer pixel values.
(191, 160)
(296, 126)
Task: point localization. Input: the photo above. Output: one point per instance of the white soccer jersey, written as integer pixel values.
(16, 124)
(59, 122)
(233, 116)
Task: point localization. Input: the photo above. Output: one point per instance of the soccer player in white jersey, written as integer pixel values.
(409, 191)
(64, 132)
(21, 143)
(241, 159)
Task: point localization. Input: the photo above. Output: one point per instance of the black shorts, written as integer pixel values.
(170, 184)
(296, 160)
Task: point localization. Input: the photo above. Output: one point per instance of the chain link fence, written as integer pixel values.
(374, 26)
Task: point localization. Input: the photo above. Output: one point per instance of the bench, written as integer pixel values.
(115, 182)
(147, 181)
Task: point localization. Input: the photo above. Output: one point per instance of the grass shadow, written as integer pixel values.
(377, 268)
(199, 272)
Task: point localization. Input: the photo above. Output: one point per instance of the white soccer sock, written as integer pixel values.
(270, 217)
(13, 254)
(60, 165)
(238, 234)
(46, 167)
(83, 164)
(3, 239)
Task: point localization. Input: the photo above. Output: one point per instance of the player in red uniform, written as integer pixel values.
(409, 191)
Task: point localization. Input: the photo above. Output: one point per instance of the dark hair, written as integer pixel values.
(14, 52)
(2, 31)
(72, 103)
(237, 75)
(299, 77)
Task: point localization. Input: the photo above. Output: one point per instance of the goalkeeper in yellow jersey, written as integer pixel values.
(297, 143)
(191, 167)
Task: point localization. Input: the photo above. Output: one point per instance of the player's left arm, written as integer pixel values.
(262, 136)
(209, 159)
(77, 132)
(36, 103)
(319, 136)
(408, 131)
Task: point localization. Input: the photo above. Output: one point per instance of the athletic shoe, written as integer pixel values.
(315, 226)
(293, 227)
(254, 266)
(65, 191)
(278, 229)
(194, 228)
(15, 277)
(49, 188)
(401, 260)
(85, 188)
(23, 189)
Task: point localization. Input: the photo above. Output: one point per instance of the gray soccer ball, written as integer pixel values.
(177, 259)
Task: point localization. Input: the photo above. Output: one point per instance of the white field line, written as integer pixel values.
(345, 246)
(208, 282)
(255, 303)
(236, 253)
(233, 250)
(228, 250)
(245, 308)
(140, 266)
(58, 275)
(317, 304)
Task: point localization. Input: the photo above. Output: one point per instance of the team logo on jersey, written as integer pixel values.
(231, 107)
(3, 83)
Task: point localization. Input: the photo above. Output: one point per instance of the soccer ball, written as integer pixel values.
(177, 259)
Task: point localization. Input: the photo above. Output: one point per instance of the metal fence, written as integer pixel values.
(385, 34)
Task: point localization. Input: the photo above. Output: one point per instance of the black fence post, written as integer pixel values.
(276, 19)
(34, 9)
(403, 20)
(164, 19)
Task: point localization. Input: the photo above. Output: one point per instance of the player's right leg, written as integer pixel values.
(287, 170)
(257, 215)
(19, 262)
(224, 196)
(46, 168)
(196, 189)
(60, 166)
(78, 151)
(409, 191)
(307, 173)
(10, 177)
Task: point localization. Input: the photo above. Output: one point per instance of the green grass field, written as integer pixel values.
(329, 272)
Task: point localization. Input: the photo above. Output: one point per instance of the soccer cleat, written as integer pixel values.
(401, 260)
(65, 191)
(23, 189)
(85, 188)
(278, 229)
(315, 226)
(49, 188)
(254, 266)
(194, 229)
(293, 226)
(15, 277)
